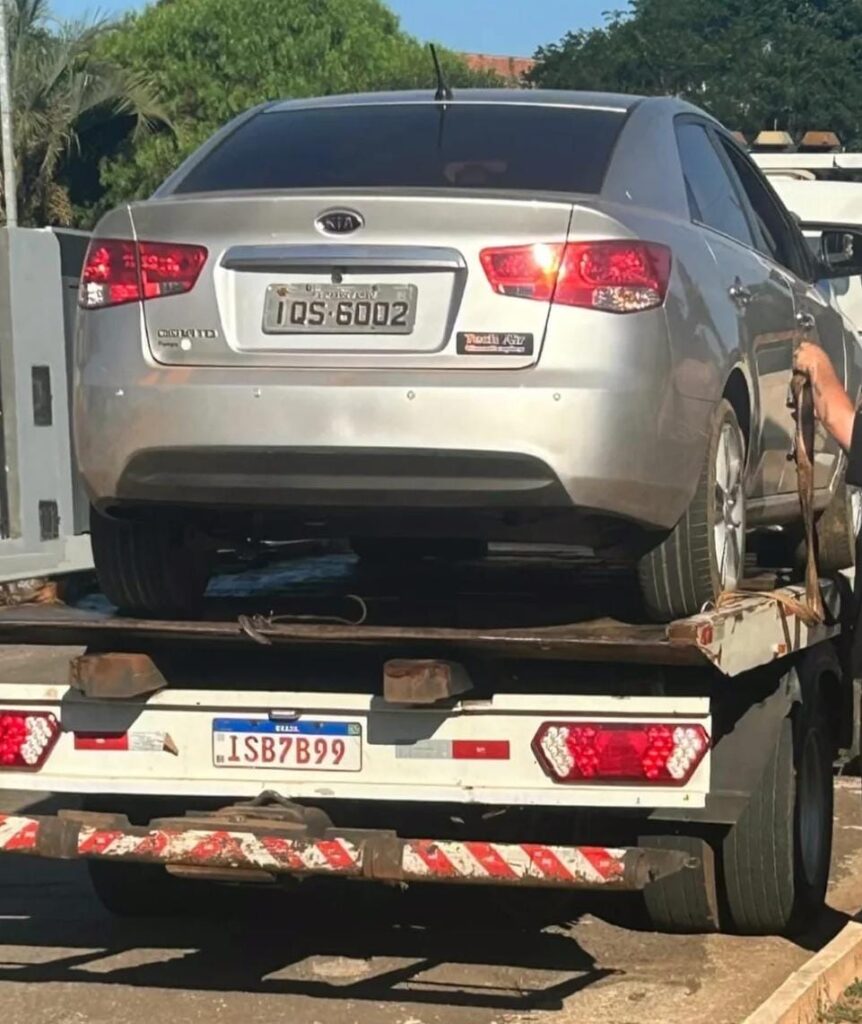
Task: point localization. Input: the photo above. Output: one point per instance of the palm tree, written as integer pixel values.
(62, 86)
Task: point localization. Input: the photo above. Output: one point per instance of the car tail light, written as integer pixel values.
(26, 739)
(615, 276)
(119, 270)
(660, 753)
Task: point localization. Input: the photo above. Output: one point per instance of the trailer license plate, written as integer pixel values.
(303, 744)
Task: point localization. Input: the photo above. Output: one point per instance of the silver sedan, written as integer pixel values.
(425, 324)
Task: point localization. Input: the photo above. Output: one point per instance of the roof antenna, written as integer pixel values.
(443, 93)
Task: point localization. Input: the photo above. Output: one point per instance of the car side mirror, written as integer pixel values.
(839, 253)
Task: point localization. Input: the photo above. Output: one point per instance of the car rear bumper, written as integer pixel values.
(208, 437)
(340, 477)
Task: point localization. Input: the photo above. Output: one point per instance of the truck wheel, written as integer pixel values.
(145, 890)
(837, 529)
(685, 902)
(776, 857)
(149, 567)
(705, 552)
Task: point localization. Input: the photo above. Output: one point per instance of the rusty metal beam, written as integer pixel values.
(602, 640)
(222, 846)
(745, 631)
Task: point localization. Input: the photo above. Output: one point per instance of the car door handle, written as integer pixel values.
(806, 321)
(740, 294)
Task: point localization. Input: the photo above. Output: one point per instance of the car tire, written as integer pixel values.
(152, 568)
(776, 857)
(691, 566)
(837, 529)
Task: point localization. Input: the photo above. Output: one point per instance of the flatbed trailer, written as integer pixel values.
(439, 725)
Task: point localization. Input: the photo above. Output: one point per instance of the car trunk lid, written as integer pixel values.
(405, 288)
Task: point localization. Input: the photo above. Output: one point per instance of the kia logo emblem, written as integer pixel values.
(339, 222)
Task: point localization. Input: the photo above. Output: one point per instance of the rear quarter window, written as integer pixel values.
(520, 147)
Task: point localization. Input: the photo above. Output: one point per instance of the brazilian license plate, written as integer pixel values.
(339, 309)
(304, 744)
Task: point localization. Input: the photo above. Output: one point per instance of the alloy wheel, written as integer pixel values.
(729, 521)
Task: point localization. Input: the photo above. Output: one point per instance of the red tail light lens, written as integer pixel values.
(26, 739)
(658, 753)
(118, 270)
(614, 276)
(525, 271)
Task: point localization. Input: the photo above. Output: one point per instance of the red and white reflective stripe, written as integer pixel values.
(132, 741)
(224, 849)
(581, 865)
(454, 750)
(421, 859)
(18, 833)
(480, 750)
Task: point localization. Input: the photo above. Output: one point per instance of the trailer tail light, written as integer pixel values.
(658, 753)
(119, 270)
(614, 276)
(26, 739)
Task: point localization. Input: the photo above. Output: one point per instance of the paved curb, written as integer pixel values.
(818, 983)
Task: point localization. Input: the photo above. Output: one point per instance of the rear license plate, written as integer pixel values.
(339, 309)
(304, 744)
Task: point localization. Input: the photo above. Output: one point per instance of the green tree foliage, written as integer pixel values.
(794, 64)
(212, 59)
(65, 93)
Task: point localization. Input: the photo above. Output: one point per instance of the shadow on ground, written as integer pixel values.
(328, 940)
(324, 939)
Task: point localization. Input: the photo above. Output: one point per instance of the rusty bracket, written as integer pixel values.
(423, 681)
(115, 676)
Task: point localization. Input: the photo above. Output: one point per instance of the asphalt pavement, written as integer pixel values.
(354, 953)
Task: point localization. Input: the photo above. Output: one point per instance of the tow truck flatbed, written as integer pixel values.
(580, 748)
(745, 632)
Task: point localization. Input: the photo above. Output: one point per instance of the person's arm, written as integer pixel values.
(832, 404)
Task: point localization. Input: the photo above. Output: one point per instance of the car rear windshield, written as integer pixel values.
(460, 146)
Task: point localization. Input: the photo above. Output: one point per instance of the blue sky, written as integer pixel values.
(483, 26)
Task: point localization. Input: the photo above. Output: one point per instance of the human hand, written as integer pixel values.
(832, 406)
(811, 360)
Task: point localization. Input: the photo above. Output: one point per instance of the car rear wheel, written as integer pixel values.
(837, 530)
(705, 553)
(152, 567)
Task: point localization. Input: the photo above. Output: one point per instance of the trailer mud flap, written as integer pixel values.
(370, 854)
